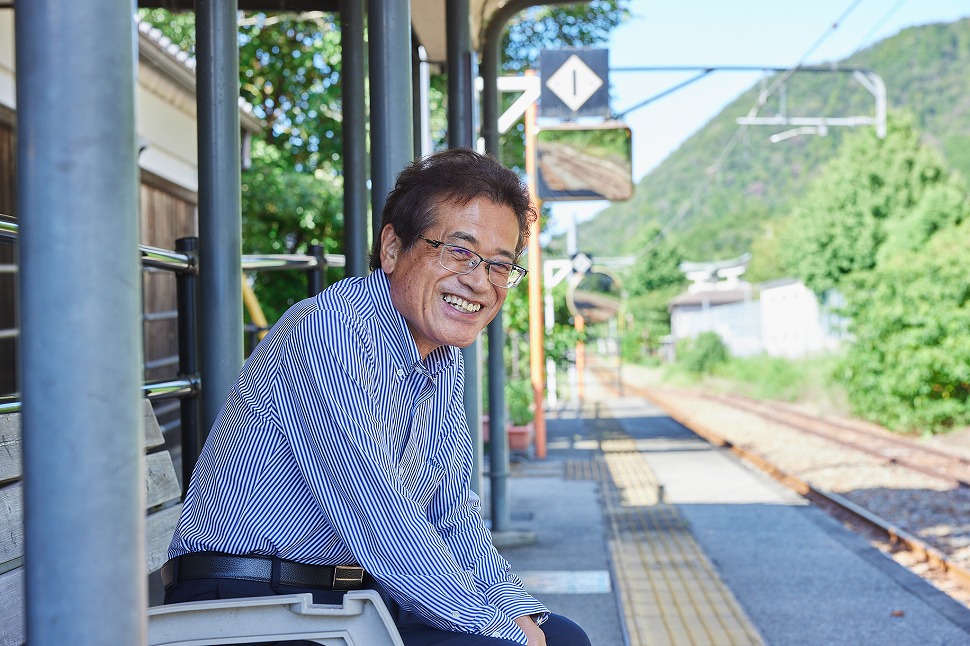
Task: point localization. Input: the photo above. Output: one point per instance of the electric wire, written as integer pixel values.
(715, 169)
(876, 27)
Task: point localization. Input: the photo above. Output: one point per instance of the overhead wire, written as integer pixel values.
(763, 96)
(876, 27)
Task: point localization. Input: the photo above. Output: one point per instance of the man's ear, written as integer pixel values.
(390, 248)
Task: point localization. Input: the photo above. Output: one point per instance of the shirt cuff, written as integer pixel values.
(513, 601)
(500, 626)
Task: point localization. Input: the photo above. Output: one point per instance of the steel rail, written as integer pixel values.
(759, 410)
(853, 428)
(896, 535)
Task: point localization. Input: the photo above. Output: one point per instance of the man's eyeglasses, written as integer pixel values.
(463, 261)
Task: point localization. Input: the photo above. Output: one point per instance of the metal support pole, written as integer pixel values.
(220, 211)
(490, 44)
(317, 276)
(390, 98)
(537, 354)
(417, 96)
(186, 294)
(354, 133)
(458, 30)
(81, 348)
(460, 129)
(498, 437)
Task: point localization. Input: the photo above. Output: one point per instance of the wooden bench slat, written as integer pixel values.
(161, 487)
(161, 483)
(12, 620)
(158, 534)
(11, 445)
(11, 522)
(10, 468)
(162, 494)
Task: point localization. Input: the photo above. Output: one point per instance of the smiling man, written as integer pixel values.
(342, 458)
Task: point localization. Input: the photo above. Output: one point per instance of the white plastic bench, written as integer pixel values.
(362, 620)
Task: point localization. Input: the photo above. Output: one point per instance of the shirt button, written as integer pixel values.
(456, 615)
(495, 633)
(400, 372)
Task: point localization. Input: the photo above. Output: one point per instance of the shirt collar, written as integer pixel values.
(399, 336)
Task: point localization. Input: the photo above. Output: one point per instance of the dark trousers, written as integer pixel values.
(559, 630)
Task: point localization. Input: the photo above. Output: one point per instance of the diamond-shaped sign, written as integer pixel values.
(581, 263)
(574, 82)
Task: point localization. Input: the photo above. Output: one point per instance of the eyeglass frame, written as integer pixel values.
(441, 245)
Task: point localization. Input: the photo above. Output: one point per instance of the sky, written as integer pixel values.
(774, 33)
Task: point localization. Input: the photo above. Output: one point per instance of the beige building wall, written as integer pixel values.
(7, 78)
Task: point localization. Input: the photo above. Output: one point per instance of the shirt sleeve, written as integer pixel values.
(333, 423)
(462, 527)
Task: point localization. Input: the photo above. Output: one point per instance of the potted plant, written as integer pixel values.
(518, 398)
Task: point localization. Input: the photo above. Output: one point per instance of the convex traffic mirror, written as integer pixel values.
(584, 163)
(595, 296)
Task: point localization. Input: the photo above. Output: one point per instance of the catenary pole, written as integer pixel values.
(81, 343)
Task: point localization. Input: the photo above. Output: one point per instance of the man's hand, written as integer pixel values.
(532, 631)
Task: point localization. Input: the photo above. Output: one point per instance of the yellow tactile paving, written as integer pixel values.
(670, 593)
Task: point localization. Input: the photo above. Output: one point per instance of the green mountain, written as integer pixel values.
(925, 72)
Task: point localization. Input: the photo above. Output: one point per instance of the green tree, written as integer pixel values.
(650, 283)
(846, 215)
(886, 223)
(289, 69)
(909, 364)
(284, 212)
(292, 194)
(657, 263)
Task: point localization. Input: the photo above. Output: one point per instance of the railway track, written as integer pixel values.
(906, 452)
(944, 566)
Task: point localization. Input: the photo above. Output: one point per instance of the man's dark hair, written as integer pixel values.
(455, 176)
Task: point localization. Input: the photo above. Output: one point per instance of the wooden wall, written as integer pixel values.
(8, 316)
(168, 212)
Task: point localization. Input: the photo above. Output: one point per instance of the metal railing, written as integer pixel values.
(183, 262)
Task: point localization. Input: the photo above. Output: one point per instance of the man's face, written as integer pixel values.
(441, 307)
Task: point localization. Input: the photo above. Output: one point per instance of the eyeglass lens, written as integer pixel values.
(463, 261)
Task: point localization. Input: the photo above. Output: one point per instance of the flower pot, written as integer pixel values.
(520, 437)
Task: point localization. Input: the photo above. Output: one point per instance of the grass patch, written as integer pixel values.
(803, 381)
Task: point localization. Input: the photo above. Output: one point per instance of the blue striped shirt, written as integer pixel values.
(338, 444)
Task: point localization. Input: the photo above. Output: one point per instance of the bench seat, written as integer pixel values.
(362, 620)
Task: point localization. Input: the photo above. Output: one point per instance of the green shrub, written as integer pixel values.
(703, 353)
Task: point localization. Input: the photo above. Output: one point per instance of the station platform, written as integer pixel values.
(645, 534)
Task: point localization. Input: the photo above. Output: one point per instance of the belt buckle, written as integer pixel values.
(347, 578)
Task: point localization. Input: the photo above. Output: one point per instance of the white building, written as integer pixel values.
(780, 318)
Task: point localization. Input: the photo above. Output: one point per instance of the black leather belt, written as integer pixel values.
(216, 565)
